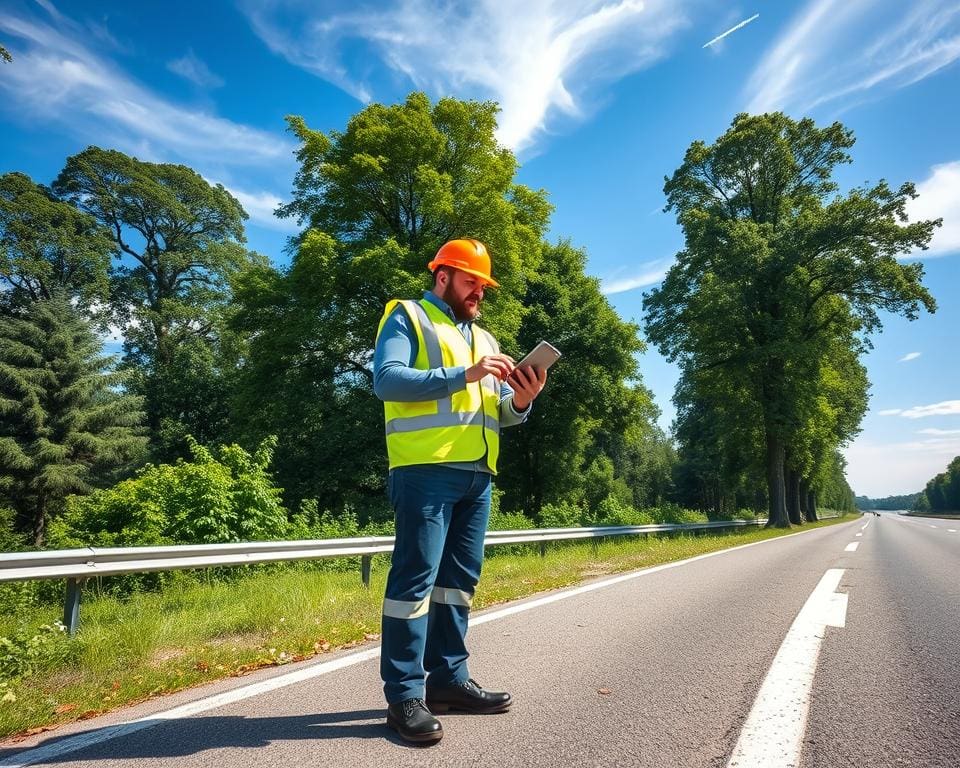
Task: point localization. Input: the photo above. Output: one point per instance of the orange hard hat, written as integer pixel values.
(468, 256)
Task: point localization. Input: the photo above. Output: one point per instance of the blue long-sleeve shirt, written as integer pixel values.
(395, 378)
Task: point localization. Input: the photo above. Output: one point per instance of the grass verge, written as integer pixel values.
(191, 633)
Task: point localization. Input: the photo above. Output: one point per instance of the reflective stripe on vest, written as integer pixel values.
(461, 427)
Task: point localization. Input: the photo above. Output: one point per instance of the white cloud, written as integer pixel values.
(260, 206)
(649, 273)
(194, 69)
(730, 31)
(946, 408)
(536, 59)
(843, 50)
(938, 432)
(939, 197)
(908, 357)
(890, 412)
(62, 80)
(885, 469)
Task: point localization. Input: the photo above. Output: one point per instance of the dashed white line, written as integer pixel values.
(773, 733)
(859, 534)
(852, 546)
(934, 526)
(951, 530)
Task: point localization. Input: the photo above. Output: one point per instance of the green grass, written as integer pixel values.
(194, 632)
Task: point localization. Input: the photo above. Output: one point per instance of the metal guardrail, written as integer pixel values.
(78, 565)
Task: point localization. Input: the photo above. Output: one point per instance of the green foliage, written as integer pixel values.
(225, 495)
(379, 198)
(592, 427)
(180, 239)
(779, 285)
(942, 493)
(47, 246)
(66, 428)
(29, 652)
(906, 501)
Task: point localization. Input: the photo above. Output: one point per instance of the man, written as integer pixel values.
(443, 382)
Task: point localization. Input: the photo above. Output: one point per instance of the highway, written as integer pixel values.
(832, 647)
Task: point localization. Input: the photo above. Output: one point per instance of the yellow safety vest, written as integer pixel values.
(462, 427)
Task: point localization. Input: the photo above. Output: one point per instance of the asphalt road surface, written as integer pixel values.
(829, 648)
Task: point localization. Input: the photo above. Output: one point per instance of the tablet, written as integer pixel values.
(541, 357)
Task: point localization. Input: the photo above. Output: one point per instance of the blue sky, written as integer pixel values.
(599, 100)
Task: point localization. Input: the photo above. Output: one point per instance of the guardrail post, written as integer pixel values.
(365, 562)
(543, 549)
(71, 605)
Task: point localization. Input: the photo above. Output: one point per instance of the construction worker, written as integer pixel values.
(443, 382)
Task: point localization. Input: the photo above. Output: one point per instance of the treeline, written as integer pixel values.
(906, 501)
(221, 347)
(244, 378)
(769, 307)
(942, 493)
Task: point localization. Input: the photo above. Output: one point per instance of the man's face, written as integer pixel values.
(463, 292)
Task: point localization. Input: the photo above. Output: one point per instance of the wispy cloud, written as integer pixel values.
(61, 79)
(939, 198)
(833, 50)
(648, 273)
(732, 29)
(908, 357)
(193, 68)
(945, 408)
(537, 59)
(261, 206)
(938, 432)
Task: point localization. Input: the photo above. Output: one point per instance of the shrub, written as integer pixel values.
(30, 651)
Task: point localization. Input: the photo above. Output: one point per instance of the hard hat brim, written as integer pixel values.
(476, 273)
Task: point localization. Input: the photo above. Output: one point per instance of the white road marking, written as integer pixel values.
(864, 526)
(859, 534)
(79, 741)
(951, 530)
(772, 736)
(934, 526)
(852, 547)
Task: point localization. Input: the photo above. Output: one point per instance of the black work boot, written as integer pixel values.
(467, 696)
(412, 720)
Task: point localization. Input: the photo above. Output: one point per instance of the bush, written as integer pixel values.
(560, 515)
(30, 651)
(674, 513)
(212, 499)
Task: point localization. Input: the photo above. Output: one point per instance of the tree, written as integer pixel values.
(594, 392)
(65, 427)
(47, 245)
(179, 241)
(378, 199)
(776, 265)
(5, 54)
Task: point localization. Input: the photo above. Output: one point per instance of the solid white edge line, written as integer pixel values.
(772, 736)
(951, 530)
(82, 740)
(852, 547)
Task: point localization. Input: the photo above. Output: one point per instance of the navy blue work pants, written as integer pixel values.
(441, 518)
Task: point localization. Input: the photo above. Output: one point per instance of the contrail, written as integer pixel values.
(732, 29)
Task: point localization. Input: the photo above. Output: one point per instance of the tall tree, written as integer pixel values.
(47, 245)
(378, 199)
(776, 263)
(178, 240)
(65, 427)
(594, 393)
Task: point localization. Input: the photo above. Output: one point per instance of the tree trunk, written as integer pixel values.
(39, 522)
(812, 506)
(793, 497)
(777, 511)
(809, 514)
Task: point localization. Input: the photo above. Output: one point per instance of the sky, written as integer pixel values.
(599, 100)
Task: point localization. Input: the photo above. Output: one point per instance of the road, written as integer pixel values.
(802, 651)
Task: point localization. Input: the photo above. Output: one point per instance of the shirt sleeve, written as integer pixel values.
(510, 416)
(395, 378)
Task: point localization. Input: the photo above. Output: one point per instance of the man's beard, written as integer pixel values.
(461, 311)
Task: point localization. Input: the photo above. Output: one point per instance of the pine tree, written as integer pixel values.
(65, 425)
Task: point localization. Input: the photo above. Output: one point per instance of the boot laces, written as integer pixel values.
(410, 707)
